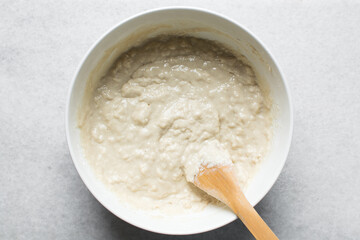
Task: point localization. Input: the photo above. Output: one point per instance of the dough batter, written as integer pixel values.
(164, 107)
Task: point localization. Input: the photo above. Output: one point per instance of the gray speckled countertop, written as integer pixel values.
(317, 44)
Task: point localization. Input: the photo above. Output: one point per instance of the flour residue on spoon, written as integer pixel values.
(210, 154)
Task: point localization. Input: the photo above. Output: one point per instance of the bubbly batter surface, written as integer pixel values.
(164, 107)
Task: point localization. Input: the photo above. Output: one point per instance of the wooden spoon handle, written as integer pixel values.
(252, 220)
(221, 183)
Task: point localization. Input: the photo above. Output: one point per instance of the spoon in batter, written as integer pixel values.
(220, 182)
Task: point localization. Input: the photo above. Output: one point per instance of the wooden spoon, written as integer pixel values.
(220, 182)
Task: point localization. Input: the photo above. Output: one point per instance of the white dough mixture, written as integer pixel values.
(165, 108)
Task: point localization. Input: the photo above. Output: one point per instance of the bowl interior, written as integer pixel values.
(198, 23)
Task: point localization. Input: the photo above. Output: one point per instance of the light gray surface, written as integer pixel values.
(317, 45)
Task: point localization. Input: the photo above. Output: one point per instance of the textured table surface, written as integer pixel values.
(316, 43)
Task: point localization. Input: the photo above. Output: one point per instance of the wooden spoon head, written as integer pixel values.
(219, 182)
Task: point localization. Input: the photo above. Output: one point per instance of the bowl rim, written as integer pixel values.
(161, 9)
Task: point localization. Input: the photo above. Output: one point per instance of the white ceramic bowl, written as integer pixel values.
(199, 23)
